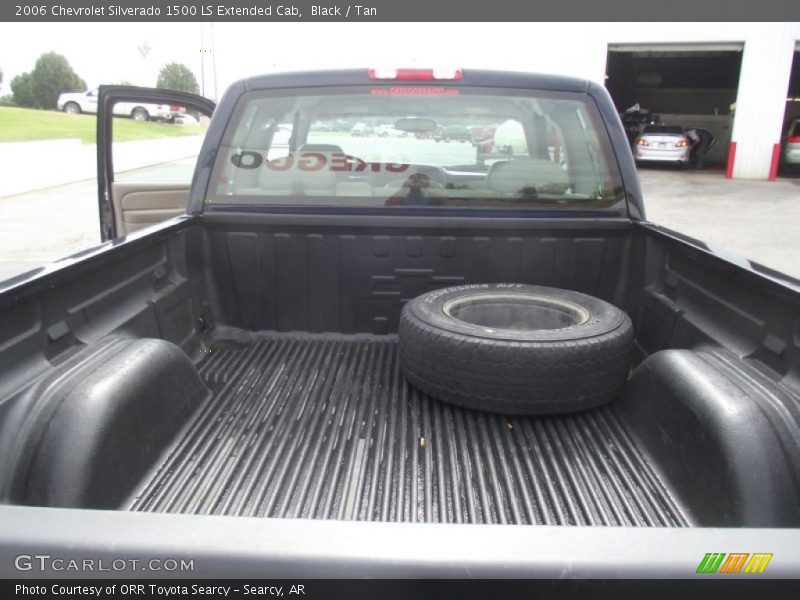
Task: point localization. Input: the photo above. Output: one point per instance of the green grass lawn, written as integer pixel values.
(25, 124)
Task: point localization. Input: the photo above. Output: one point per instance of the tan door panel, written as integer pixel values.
(137, 205)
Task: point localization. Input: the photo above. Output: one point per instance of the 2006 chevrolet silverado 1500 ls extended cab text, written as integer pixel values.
(227, 385)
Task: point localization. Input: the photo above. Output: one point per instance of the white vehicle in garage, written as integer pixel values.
(76, 103)
(663, 143)
(791, 144)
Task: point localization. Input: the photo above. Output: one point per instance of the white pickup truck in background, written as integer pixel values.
(76, 103)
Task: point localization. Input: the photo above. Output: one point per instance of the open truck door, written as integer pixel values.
(146, 158)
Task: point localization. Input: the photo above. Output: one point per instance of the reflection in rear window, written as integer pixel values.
(470, 148)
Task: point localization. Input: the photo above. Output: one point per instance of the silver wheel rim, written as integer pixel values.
(516, 312)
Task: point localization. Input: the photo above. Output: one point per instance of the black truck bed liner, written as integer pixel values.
(325, 427)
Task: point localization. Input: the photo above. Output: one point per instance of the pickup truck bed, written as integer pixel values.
(232, 365)
(228, 382)
(324, 426)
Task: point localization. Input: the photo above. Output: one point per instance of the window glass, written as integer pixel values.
(417, 146)
(155, 143)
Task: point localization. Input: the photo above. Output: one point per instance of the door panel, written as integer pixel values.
(137, 205)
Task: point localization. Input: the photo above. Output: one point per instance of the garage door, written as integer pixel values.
(690, 85)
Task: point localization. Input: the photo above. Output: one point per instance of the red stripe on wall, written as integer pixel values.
(776, 159)
(731, 158)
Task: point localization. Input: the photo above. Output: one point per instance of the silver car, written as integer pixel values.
(663, 143)
(791, 144)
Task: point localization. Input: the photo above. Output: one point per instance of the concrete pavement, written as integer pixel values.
(29, 166)
(46, 225)
(757, 220)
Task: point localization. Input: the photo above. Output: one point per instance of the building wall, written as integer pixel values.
(761, 101)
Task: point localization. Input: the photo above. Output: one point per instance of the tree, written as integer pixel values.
(175, 76)
(40, 88)
(22, 90)
(51, 76)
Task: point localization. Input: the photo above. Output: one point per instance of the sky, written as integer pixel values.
(110, 52)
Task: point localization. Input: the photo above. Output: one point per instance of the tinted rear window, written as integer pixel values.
(664, 129)
(389, 146)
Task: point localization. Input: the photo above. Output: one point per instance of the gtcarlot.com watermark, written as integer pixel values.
(48, 563)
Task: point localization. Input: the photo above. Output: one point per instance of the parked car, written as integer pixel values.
(75, 103)
(452, 133)
(791, 144)
(185, 119)
(662, 143)
(389, 131)
(361, 130)
(480, 134)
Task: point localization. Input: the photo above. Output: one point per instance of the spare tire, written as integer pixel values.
(515, 349)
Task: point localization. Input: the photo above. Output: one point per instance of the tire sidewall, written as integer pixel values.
(603, 317)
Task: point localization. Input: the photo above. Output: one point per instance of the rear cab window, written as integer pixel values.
(392, 146)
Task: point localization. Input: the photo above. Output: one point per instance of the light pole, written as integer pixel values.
(203, 51)
(144, 51)
(202, 63)
(214, 61)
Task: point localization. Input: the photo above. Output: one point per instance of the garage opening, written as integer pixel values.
(684, 85)
(790, 138)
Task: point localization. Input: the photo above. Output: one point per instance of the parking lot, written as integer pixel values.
(758, 220)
